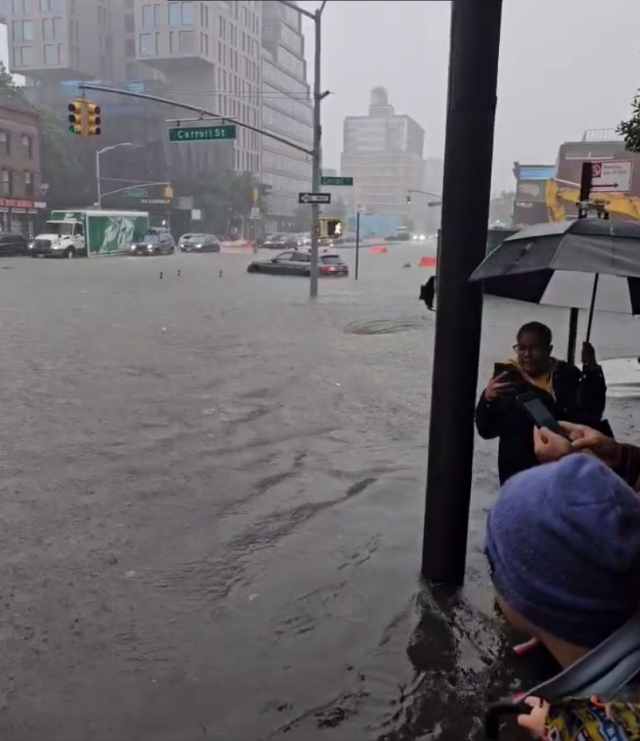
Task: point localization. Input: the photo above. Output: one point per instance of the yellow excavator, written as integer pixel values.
(559, 195)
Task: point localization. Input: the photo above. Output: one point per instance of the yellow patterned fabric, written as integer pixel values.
(588, 719)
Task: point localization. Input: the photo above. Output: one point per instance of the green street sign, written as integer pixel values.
(329, 180)
(202, 133)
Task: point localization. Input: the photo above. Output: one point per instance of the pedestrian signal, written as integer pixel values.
(408, 199)
(76, 122)
(334, 228)
(93, 120)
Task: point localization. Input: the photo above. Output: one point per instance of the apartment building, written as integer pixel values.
(287, 111)
(20, 185)
(209, 54)
(52, 40)
(382, 151)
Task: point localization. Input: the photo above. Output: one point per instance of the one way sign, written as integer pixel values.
(314, 197)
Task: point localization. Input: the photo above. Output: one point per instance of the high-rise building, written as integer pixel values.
(210, 55)
(287, 111)
(52, 40)
(382, 151)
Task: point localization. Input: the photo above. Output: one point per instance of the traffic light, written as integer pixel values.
(93, 120)
(408, 199)
(76, 118)
(334, 228)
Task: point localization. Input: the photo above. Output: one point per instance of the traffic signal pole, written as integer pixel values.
(471, 107)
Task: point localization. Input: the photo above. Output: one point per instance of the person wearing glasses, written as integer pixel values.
(569, 393)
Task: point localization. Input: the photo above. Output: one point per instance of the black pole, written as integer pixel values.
(586, 180)
(471, 106)
(357, 242)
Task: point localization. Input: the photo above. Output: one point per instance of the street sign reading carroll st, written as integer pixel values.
(314, 197)
(334, 180)
(611, 176)
(202, 133)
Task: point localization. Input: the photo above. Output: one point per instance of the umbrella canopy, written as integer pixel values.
(555, 264)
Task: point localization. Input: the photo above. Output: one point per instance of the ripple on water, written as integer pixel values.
(385, 326)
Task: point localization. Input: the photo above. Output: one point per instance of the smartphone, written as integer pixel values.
(510, 370)
(539, 413)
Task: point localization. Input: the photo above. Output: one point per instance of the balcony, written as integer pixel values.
(174, 50)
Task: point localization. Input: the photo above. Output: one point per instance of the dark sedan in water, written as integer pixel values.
(295, 262)
(199, 243)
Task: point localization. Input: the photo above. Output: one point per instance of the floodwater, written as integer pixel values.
(212, 500)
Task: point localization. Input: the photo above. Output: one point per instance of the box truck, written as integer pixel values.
(92, 233)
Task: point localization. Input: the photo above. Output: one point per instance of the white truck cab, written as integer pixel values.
(60, 239)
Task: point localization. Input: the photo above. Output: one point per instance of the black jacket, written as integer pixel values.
(580, 396)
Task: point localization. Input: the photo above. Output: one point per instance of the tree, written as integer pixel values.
(630, 129)
(59, 164)
(228, 197)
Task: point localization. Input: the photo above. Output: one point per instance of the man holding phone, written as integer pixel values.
(566, 392)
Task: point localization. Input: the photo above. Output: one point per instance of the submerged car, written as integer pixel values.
(295, 262)
(158, 243)
(199, 243)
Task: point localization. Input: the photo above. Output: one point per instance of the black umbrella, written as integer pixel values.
(589, 264)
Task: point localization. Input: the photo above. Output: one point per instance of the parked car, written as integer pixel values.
(298, 262)
(159, 243)
(12, 244)
(199, 243)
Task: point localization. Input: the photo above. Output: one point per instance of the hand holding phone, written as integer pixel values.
(540, 414)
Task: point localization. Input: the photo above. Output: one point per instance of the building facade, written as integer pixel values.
(20, 175)
(209, 54)
(51, 40)
(287, 111)
(382, 151)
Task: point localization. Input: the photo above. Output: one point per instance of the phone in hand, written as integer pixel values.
(539, 413)
(513, 375)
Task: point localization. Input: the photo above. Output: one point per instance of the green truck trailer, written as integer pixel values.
(89, 233)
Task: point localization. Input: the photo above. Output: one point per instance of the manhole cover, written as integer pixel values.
(384, 326)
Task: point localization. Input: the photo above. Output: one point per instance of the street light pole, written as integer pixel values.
(98, 178)
(316, 149)
(317, 155)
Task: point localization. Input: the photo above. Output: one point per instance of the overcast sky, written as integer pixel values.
(565, 66)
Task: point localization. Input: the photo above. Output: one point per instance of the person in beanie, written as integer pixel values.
(563, 546)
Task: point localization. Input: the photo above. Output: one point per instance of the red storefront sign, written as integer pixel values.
(20, 203)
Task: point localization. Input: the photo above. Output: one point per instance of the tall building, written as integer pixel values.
(286, 111)
(209, 54)
(52, 40)
(382, 151)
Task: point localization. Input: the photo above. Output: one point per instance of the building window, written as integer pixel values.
(148, 45)
(27, 30)
(147, 16)
(23, 56)
(174, 14)
(58, 29)
(27, 145)
(28, 183)
(5, 147)
(5, 182)
(51, 55)
(187, 14)
(187, 42)
(129, 23)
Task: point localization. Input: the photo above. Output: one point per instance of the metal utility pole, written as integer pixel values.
(316, 154)
(98, 177)
(586, 181)
(471, 105)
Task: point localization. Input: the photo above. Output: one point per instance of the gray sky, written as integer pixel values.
(550, 89)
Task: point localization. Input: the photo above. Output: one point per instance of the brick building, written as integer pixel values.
(20, 177)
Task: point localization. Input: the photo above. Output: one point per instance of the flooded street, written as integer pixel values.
(212, 504)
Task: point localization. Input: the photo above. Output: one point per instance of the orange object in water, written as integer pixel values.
(427, 262)
(378, 250)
